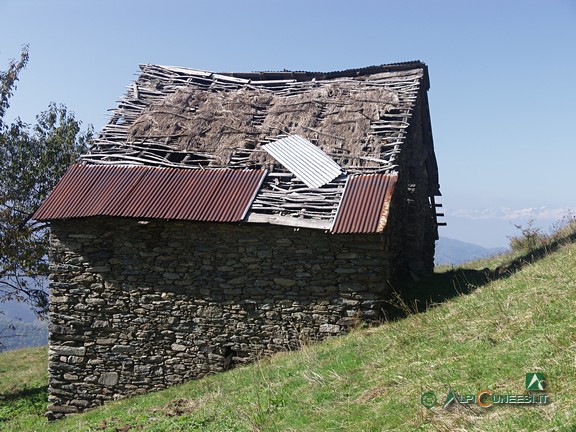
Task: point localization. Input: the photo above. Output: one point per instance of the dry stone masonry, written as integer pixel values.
(141, 305)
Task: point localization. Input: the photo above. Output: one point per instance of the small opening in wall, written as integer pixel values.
(229, 355)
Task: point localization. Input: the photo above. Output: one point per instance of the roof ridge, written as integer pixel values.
(302, 75)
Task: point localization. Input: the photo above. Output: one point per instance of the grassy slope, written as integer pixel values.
(23, 390)
(372, 379)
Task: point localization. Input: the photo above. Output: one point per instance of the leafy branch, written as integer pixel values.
(32, 159)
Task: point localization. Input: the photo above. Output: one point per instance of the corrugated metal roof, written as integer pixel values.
(364, 206)
(305, 160)
(212, 195)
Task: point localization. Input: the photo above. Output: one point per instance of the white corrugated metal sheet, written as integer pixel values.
(305, 160)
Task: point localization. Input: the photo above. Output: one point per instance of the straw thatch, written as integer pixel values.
(195, 119)
(221, 121)
(336, 116)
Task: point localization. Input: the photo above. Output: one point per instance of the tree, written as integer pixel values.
(32, 160)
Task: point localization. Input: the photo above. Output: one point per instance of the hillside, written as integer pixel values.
(477, 330)
(16, 334)
(455, 252)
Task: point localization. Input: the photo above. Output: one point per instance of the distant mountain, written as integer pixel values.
(16, 310)
(13, 309)
(20, 327)
(450, 251)
(16, 334)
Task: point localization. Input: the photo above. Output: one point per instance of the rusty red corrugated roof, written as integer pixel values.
(365, 204)
(211, 195)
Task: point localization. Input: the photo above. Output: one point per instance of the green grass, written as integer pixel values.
(23, 386)
(475, 330)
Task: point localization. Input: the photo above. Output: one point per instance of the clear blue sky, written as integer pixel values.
(502, 97)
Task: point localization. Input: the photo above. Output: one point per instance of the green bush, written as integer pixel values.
(530, 239)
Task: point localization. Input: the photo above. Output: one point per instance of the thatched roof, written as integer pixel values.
(174, 117)
(177, 117)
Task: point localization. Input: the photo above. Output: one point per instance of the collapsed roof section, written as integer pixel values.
(311, 133)
(180, 117)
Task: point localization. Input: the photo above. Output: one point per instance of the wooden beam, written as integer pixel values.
(289, 221)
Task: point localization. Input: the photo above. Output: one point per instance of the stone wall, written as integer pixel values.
(415, 214)
(137, 306)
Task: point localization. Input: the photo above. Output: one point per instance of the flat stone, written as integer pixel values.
(99, 324)
(59, 392)
(238, 280)
(63, 409)
(142, 369)
(99, 269)
(344, 270)
(329, 328)
(149, 298)
(305, 252)
(284, 242)
(70, 377)
(225, 268)
(108, 379)
(95, 301)
(370, 314)
(62, 330)
(84, 277)
(60, 299)
(68, 350)
(347, 255)
(285, 282)
(178, 347)
(123, 349)
(348, 321)
(82, 236)
(350, 302)
(210, 311)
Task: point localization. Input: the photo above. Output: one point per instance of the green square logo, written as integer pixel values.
(535, 381)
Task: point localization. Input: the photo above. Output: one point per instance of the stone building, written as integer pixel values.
(218, 217)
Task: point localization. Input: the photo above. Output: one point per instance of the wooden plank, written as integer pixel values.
(289, 221)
